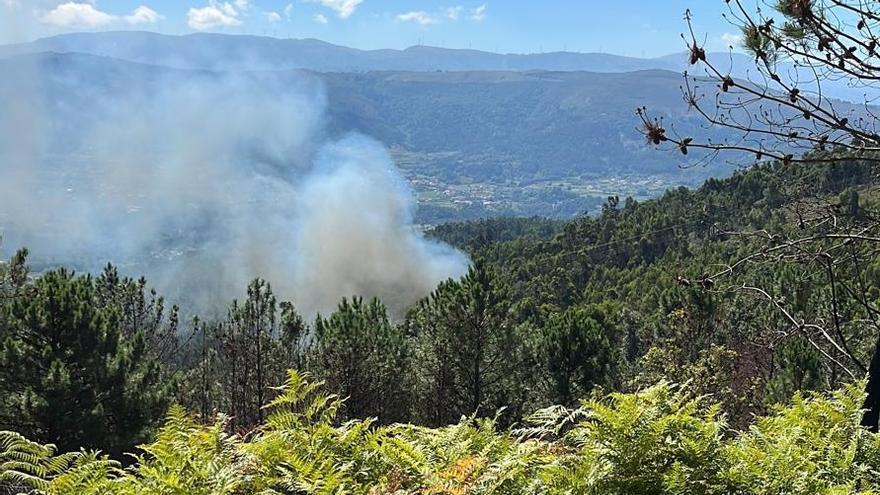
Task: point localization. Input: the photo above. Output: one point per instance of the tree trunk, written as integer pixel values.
(872, 392)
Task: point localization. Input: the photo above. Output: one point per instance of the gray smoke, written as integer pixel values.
(202, 182)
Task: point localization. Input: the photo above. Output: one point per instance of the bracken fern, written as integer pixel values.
(658, 441)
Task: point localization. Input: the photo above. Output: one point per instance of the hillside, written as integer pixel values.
(661, 266)
(472, 144)
(632, 248)
(477, 134)
(619, 302)
(245, 265)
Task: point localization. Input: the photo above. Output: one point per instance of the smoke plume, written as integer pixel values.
(203, 181)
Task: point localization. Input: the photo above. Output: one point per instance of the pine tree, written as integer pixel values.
(244, 354)
(797, 368)
(69, 373)
(142, 310)
(364, 358)
(470, 350)
(576, 352)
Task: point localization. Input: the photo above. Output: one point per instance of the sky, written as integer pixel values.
(639, 28)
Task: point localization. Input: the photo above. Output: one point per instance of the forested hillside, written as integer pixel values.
(549, 314)
(497, 126)
(472, 144)
(663, 268)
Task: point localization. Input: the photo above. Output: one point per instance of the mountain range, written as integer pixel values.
(546, 134)
(213, 51)
(200, 51)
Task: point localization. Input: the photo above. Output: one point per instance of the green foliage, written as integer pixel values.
(758, 44)
(24, 463)
(654, 442)
(576, 351)
(363, 357)
(13, 274)
(479, 234)
(813, 446)
(471, 352)
(799, 369)
(656, 259)
(658, 441)
(70, 372)
(230, 364)
(192, 459)
(547, 314)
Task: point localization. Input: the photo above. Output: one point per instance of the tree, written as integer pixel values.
(69, 373)
(576, 351)
(364, 358)
(13, 275)
(295, 335)
(471, 349)
(245, 355)
(142, 310)
(233, 365)
(784, 112)
(798, 368)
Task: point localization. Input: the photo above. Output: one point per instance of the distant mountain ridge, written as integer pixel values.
(241, 52)
(516, 141)
(223, 52)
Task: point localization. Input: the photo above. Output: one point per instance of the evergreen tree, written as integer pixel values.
(294, 336)
(13, 274)
(142, 310)
(245, 355)
(471, 352)
(575, 349)
(233, 365)
(364, 358)
(69, 373)
(798, 368)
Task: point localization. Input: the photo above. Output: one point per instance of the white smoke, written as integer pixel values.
(202, 182)
(355, 231)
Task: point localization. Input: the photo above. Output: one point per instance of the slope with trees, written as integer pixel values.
(758, 294)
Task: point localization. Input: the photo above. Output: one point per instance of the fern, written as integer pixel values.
(657, 441)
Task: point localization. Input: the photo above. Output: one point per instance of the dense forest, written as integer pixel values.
(550, 314)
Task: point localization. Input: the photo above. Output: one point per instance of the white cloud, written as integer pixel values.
(87, 15)
(320, 19)
(344, 8)
(273, 17)
(143, 15)
(453, 13)
(479, 13)
(732, 39)
(215, 14)
(419, 17)
(39, 7)
(73, 14)
(242, 4)
(288, 11)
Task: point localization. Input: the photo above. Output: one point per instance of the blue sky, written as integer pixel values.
(626, 27)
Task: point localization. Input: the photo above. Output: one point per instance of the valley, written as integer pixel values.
(251, 265)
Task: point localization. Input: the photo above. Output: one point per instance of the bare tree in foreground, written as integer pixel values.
(782, 111)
